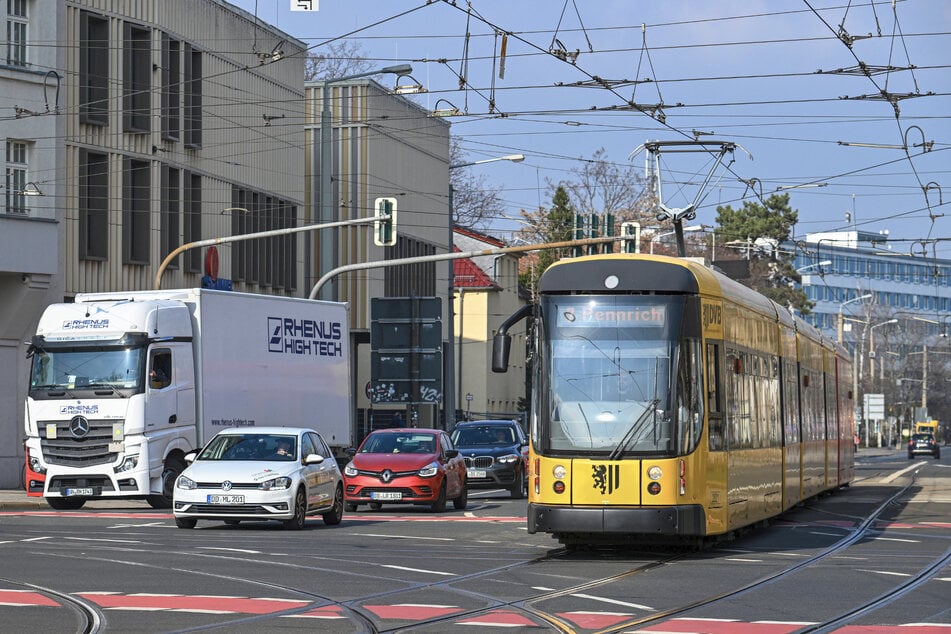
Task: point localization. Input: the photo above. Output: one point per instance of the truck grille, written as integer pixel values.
(65, 449)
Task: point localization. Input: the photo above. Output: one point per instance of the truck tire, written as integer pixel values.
(66, 504)
(173, 469)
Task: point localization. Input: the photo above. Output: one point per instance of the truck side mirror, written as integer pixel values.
(501, 346)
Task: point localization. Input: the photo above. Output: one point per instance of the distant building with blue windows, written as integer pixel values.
(838, 268)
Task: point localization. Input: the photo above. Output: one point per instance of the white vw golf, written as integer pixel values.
(260, 473)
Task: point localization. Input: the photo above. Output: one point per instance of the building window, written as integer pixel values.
(192, 221)
(16, 177)
(171, 88)
(137, 79)
(16, 32)
(192, 97)
(136, 213)
(93, 69)
(93, 205)
(171, 214)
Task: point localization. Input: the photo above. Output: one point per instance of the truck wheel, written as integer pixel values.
(186, 522)
(460, 502)
(173, 469)
(335, 514)
(66, 504)
(296, 523)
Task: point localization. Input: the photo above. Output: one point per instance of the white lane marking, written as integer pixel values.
(885, 572)
(740, 559)
(35, 539)
(148, 525)
(898, 474)
(895, 539)
(828, 534)
(110, 541)
(435, 539)
(232, 550)
(428, 572)
(601, 599)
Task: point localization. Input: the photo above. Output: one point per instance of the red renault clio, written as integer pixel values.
(406, 466)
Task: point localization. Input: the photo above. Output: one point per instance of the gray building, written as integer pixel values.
(132, 127)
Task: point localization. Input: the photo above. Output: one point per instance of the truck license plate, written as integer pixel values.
(386, 495)
(472, 473)
(79, 491)
(225, 499)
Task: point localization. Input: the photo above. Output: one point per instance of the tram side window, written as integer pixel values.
(714, 396)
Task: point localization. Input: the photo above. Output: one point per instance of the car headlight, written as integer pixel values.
(350, 470)
(508, 459)
(185, 483)
(275, 484)
(428, 471)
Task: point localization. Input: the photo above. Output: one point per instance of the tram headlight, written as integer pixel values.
(655, 473)
(559, 472)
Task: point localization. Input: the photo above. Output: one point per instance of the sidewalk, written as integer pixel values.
(18, 500)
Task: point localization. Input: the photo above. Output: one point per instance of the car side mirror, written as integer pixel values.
(351, 451)
(452, 453)
(190, 457)
(313, 458)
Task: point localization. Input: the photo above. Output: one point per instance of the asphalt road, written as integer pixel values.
(878, 550)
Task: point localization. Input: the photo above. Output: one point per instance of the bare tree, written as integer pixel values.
(339, 59)
(600, 186)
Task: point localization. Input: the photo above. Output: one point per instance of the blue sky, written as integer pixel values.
(775, 77)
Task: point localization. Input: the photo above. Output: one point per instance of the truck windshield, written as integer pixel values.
(99, 367)
(610, 376)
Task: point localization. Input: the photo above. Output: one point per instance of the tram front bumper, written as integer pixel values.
(685, 520)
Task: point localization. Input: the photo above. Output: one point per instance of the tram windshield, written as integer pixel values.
(616, 377)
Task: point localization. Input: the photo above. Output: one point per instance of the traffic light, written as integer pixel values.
(632, 244)
(384, 227)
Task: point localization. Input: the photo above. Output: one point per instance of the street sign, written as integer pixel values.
(406, 363)
(874, 406)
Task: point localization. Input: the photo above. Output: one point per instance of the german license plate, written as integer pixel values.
(386, 495)
(79, 491)
(473, 473)
(225, 499)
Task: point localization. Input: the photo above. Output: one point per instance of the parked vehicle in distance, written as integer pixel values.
(922, 444)
(260, 473)
(496, 454)
(416, 466)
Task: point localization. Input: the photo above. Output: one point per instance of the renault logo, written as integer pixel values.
(387, 475)
(79, 426)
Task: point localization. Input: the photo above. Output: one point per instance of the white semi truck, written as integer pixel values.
(123, 385)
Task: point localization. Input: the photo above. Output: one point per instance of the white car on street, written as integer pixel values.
(260, 473)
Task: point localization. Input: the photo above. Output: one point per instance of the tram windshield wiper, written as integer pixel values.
(633, 430)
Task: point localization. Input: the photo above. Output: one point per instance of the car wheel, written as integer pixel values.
(460, 502)
(334, 515)
(350, 507)
(66, 504)
(519, 488)
(440, 504)
(296, 523)
(376, 506)
(186, 522)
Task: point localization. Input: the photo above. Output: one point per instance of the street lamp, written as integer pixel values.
(656, 236)
(860, 298)
(450, 396)
(328, 239)
(803, 269)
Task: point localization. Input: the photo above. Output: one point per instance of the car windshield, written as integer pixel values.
(269, 447)
(399, 442)
(483, 436)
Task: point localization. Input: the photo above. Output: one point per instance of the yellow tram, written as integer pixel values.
(672, 402)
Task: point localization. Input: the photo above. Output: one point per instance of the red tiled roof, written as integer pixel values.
(467, 275)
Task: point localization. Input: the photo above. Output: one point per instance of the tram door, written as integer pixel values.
(716, 463)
